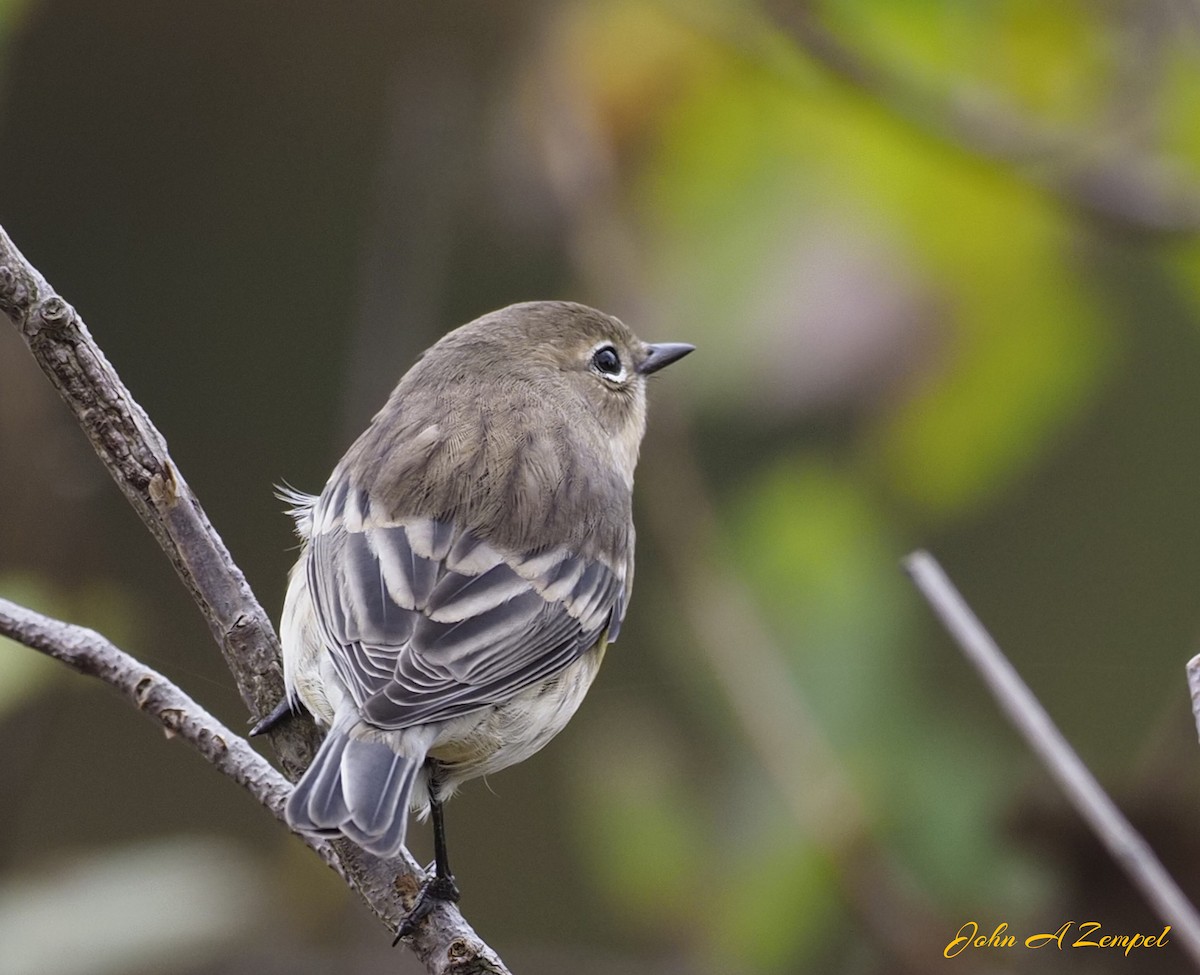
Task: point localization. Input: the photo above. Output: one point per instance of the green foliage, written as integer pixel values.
(819, 556)
(1023, 346)
(646, 840)
(776, 907)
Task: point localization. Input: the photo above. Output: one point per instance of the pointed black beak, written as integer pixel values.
(663, 354)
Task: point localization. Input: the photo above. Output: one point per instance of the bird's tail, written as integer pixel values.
(357, 788)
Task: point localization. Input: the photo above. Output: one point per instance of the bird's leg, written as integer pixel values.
(441, 862)
(440, 885)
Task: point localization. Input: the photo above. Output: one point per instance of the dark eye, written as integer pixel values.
(606, 361)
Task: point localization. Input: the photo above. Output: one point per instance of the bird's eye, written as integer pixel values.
(606, 361)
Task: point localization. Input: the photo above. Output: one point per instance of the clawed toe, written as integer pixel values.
(435, 890)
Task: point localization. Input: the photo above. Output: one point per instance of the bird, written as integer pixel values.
(464, 570)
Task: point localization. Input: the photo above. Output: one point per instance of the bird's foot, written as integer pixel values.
(434, 891)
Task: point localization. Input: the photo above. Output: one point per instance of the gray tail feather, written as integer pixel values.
(357, 788)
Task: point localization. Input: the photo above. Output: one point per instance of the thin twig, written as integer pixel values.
(89, 653)
(135, 453)
(1027, 715)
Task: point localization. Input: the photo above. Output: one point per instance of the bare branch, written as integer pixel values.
(1125, 188)
(87, 652)
(1027, 715)
(135, 453)
(449, 944)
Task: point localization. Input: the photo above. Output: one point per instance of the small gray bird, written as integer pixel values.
(463, 570)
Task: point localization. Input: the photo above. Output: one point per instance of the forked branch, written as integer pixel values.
(135, 453)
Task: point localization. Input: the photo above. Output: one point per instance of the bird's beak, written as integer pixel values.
(663, 354)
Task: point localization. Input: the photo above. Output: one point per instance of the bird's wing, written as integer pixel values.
(425, 621)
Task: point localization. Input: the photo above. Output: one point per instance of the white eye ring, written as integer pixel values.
(606, 362)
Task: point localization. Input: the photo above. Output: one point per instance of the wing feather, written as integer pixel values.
(425, 621)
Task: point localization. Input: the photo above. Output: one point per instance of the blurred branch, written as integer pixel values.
(1126, 188)
(1027, 715)
(135, 453)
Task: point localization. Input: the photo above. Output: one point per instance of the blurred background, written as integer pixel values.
(942, 264)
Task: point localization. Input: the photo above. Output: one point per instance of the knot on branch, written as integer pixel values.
(459, 954)
(172, 720)
(142, 691)
(464, 958)
(52, 315)
(210, 743)
(163, 488)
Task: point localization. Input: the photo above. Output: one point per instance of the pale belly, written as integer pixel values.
(497, 737)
